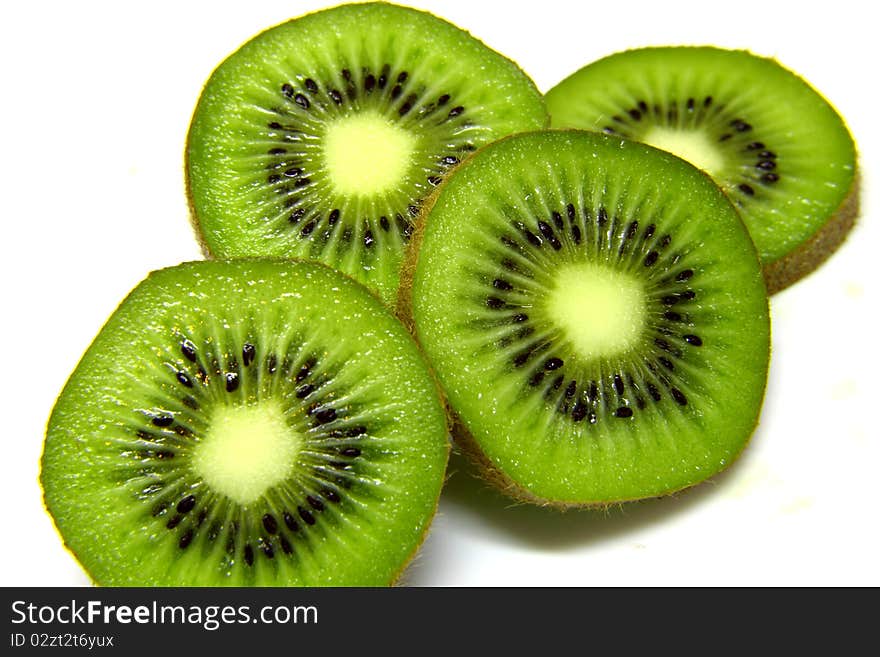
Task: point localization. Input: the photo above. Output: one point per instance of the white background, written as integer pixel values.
(96, 100)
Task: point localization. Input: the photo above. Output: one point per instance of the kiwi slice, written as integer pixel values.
(771, 142)
(246, 424)
(321, 137)
(595, 312)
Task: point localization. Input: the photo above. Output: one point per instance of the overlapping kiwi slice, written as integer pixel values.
(247, 423)
(775, 146)
(321, 137)
(596, 314)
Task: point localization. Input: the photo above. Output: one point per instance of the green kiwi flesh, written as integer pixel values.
(596, 315)
(321, 137)
(250, 423)
(776, 147)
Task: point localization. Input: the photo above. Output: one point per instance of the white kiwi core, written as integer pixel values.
(600, 310)
(367, 154)
(691, 145)
(247, 450)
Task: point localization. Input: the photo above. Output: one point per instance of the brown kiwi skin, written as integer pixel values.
(816, 250)
(190, 203)
(461, 435)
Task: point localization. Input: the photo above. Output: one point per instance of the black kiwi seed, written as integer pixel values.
(249, 555)
(185, 539)
(325, 415)
(188, 349)
(631, 230)
(290, 521)
(306, 515)
(231, 382)
(286, 547)
(270, 524)
(304, 391)
(678, 396)
(553, 363)
(407, 104)
(248, 353)
(163, 420)
(623, 412)
(693, 339)
(187, 504)
(304, 372)
(184, 379)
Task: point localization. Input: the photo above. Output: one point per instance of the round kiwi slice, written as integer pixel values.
(246, 423)
(771, 142)
(595, 312)
(321, 137)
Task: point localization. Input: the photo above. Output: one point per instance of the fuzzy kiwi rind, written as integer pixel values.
(525, 110)
(75, 472)
(796, 226)
(464, 437)
(807, 257)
